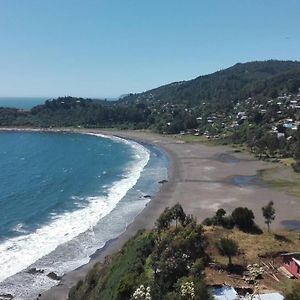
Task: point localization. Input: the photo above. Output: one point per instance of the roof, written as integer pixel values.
(229, 293)
(225, 293)
(269, 296)
(290, 253)
(285, 272)
(296, 261)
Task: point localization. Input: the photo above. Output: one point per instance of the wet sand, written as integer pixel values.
(202, 179)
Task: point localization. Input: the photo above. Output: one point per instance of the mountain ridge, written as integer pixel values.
(201, 88)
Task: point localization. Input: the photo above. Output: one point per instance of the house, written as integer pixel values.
(291, 262)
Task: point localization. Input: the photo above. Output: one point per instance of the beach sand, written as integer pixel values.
(202, 179)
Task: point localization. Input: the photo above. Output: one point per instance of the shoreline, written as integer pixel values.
(198, 179)
(153, 161)
(144, 220)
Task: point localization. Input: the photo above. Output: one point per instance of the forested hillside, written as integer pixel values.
(224, 88)
(164, 263)
(255, 103)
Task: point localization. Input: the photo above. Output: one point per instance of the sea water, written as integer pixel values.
(21, 102)
(62, 197)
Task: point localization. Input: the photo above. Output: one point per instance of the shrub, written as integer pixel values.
(219, 219)
(243, 218)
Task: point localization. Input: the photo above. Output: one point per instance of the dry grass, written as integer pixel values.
(253, 246)
(287, 161)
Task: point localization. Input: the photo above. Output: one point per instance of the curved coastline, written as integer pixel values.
(199, 180)
(136, 145)
(144, 220)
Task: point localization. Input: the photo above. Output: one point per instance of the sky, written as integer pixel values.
(90, 48)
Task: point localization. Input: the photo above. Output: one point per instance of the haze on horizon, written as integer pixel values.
(108, 48)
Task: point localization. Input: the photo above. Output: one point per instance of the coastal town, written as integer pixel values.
(149, 150)
(280, 113)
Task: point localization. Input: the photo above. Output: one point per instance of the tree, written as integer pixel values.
(220, 220)
(243, 218)
(268, 212)
(178, 214)
(174, 213)
(174, 255)
(220, 213)
(164, 220)
(228, 247)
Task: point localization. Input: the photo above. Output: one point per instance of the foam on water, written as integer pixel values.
(18, 253)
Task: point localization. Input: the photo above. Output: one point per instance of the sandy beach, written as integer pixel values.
(202, 179)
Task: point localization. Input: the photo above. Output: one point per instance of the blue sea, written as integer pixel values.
(62, 197)
(21, 102)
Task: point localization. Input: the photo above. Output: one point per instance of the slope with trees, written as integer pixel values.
(164, 263)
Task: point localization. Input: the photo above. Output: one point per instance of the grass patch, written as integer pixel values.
(190, 138)
(274, 178)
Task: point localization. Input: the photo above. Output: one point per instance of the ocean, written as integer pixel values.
(21, 102)
(62, 197)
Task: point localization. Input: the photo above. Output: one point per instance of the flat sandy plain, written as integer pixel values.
(202, 179)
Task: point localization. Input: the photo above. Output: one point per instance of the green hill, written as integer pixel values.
(225, 87)
(219, 91)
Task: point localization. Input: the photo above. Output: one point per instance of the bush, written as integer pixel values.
(219, 219)
(243, 218)
(208, 222)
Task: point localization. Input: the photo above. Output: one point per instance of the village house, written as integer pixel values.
(291, 262)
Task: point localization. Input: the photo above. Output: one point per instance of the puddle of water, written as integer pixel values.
(291, 224)
(243, 180)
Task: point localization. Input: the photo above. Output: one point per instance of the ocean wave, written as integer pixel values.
(19, 228)
(18, 253)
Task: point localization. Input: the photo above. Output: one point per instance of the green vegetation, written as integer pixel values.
(241, 217)
(164, 263)
(118, 277)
